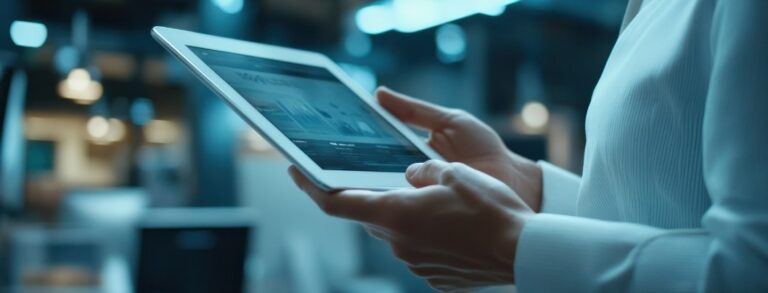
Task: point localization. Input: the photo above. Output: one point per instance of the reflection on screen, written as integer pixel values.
(323, 117)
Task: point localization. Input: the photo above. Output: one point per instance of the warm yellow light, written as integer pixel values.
(97, 127)
(256, 142)
(116, 130)
(105, 131)
(161, 132)
(78, 79)
(79, 87)
(535, 115)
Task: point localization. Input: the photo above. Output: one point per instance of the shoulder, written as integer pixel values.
(633, 7)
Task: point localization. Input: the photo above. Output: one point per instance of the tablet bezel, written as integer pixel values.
(178, 41)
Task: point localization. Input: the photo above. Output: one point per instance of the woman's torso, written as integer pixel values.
(643, 158)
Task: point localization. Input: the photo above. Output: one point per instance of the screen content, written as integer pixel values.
(316, 111)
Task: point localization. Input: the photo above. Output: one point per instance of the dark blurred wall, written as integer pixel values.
(214, 131)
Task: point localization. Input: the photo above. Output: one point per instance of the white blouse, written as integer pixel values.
(674, 194)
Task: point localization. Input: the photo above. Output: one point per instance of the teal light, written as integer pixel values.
(451, 43)
(358, 44)
(28, 34)
(374, 19)
(362, 75)
(410, 16)
(65, 59)
(229, 6)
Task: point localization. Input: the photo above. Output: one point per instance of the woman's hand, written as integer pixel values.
(460, 137)
(458, 229)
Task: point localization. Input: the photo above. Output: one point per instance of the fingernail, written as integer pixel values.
(413, 167)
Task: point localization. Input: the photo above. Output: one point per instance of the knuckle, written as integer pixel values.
(499, 189)
(415, 270)
(458, 113)
(370, 230)
(434, 284)
(458, 165)
(431, 165)
(421, 272)
(438, 285)
(394, 219)
(401, 252)
(389, 200)
(377, 234)
(329, 207)
(450, 175)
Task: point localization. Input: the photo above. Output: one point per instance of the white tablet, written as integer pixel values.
(307, 107)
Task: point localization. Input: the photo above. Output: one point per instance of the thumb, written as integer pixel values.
(425, 174)
(471, 183)
(413, 111)
(358, 205)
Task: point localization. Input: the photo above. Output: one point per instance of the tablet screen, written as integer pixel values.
(316, 111)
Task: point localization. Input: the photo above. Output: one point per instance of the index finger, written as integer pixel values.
(414, 111)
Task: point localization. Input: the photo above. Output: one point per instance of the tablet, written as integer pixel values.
(306, 107)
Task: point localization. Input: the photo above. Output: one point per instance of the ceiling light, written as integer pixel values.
(78, 79)
(414, 15)
(116, 130)
(374, 19)
(451, 43)
(535, 115)
(105, 131)
(79, 86)
(229, 6)
(28, 34)
(97, 127)
(162, 132)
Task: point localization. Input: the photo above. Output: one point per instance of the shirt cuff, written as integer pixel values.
(560, 190)
(557, 253)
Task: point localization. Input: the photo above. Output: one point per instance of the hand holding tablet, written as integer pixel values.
(334, 132)
(458, 228)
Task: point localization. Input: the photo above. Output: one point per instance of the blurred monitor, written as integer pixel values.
(45, 259)
(193, 250)
(13, 85)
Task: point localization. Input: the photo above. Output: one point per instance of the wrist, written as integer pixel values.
(527, 180)
(508, 249)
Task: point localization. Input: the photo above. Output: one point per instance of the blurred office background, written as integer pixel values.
(121, 172)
